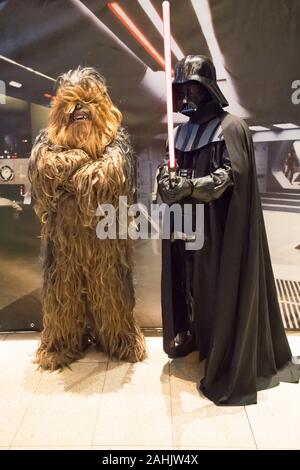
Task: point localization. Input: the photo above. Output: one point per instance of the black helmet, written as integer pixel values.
(202, 70)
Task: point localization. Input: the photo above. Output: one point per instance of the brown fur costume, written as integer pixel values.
(78, 162)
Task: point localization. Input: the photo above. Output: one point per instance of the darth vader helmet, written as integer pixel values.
(195, 77)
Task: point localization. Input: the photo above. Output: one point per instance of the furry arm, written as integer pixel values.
(50, 168)
(54, 171)
(102, 181)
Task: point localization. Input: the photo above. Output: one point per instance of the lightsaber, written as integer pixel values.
(168, 76)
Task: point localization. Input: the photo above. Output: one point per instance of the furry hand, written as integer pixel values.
(67, 162)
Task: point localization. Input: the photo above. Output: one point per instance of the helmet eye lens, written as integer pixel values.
(191, 91)
(189, 96)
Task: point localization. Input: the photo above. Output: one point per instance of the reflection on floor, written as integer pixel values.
(102, 404)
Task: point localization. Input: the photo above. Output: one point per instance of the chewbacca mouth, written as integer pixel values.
(79, 116)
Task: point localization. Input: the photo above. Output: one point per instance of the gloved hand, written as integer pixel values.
(211, 187)
(182, 187)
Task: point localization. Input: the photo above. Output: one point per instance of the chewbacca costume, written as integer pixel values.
(81, 160)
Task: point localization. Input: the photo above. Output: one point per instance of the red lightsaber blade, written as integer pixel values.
(168, 76)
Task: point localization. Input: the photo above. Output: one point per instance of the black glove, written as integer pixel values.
(182, 187)
(209, 188)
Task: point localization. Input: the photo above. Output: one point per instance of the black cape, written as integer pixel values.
(237, 315)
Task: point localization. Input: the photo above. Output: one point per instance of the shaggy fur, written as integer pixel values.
(88, 284)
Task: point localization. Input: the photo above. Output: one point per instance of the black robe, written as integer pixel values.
(237, 325)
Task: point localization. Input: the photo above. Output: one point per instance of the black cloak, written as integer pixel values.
(238, 324)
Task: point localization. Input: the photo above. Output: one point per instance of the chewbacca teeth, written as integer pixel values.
(79, 117)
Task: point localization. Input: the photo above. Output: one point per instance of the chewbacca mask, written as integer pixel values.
(83, 159)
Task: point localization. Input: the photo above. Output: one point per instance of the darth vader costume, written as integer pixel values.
(221, 299)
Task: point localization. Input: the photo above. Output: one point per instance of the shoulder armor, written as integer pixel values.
(190, 136)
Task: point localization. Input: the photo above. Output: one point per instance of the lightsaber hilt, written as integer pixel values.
(172, 175)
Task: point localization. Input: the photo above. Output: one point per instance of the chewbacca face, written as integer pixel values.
(82, 114)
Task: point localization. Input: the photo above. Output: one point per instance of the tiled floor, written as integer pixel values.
(102, 404)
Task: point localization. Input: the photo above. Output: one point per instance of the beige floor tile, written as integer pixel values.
(155, 350)
(283, 235)
(64, 408)
(196, 420)
(135, 409)
(18, 347)
(287, 271)
(17, 386)
(275, 420)
(212, 448)
(156, 354)
(294, 342)
(92, 355)
(51, 448)
(22, 346)
(112, 448)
